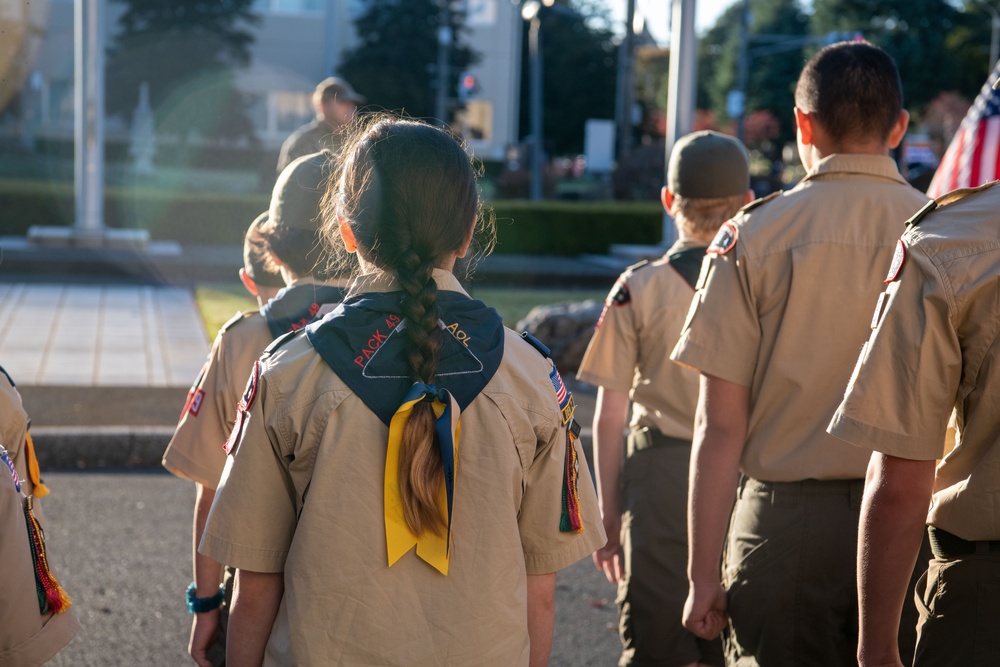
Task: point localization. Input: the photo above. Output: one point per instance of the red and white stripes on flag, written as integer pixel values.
(974, 153)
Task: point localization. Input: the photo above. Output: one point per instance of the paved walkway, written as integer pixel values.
(100, 335)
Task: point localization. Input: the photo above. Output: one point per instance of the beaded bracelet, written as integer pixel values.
(196, 605)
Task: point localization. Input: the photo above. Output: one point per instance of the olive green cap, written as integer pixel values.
(707, 165)
(296, 196)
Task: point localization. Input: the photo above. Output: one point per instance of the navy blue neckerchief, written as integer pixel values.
(363, 343)
(294, 307)
(687, 262)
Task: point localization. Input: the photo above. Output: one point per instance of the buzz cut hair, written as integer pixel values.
(853, 90)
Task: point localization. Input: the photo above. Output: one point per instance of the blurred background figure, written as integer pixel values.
(335, 103)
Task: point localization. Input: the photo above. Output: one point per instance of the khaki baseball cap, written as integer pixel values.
(708, 165)
(296, 196)
(333, 86)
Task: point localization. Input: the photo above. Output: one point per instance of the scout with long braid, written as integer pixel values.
(394, 496)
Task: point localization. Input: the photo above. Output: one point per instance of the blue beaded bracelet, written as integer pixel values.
(197, 605)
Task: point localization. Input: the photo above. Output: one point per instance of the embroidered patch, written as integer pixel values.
(565, 397)
(192, 391)
(243, 408)
(195, 402)
(897, 262)
(619, 295)
(725, 240)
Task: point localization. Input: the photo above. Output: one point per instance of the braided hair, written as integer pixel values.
(408, 191)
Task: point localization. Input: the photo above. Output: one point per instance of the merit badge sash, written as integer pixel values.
(363, 342)
(294, 307)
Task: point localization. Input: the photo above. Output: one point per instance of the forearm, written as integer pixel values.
(609, 446)
(541, 617)
(256, 598)
(893, 516)
(720, 433)
(207, 572)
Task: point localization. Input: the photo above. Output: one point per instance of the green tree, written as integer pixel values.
(579, 63)
(778, 33)
(914, 32)
(393, 64)
(186, 50)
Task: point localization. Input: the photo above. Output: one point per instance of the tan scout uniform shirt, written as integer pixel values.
(630, 350)
(937, 347)
(196, 450)
(786, 310)
(27, 638)
(303, 494)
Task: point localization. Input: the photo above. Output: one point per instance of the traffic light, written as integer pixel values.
(468, 86)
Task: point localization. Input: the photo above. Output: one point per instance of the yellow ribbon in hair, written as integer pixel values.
(34, 474)
(399, 539)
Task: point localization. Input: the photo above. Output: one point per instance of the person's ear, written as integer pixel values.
(899, 129)
(804, 123)
(666, 198)
(347, 234)
(463, 249)
(248, 282)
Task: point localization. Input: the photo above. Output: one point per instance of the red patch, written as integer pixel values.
(194, 403)
(243, 409)
(725, 240)
(897, 262)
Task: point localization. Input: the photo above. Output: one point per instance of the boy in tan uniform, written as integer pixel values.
(934, 350)
(196, 450)
(28, 637)
(774, 329)
(628, 358)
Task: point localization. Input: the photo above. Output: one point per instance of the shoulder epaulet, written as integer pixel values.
(637, 265)
(279, 341)
(758, 202)
(234, 320)
(7, 375)
(946, 200)
(537, 344)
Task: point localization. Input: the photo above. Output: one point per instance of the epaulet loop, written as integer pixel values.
(758, 202)
(279, 341)
(234, 320)
(537, 344)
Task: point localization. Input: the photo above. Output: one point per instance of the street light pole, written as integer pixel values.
(444, 38)
(531, 12)
(88, 120)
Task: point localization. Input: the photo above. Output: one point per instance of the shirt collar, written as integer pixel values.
(856, 163)
(686, 244)
(386, 282)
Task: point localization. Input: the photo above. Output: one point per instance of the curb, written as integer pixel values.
(70, 447)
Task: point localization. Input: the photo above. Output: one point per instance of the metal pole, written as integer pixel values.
(535, 53)
(744, 68)
(994, 36)
(444, 46)
(681, 96)
(331, 37)
(88, 119)
(626, 82)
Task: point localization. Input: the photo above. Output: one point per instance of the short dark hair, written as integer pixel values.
(302, 250)
(853, 90)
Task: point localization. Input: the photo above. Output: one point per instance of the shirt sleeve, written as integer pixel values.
(611, 356)
(195, 451)
(554, 479)
(906, 381)
(721, 336)
(253, 517)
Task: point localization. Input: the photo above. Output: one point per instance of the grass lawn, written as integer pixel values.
(218, 302)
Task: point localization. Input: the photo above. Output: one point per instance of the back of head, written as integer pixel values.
(853, 90)
(708, 176)
(408, 191)
(293, 231)
(256, 261)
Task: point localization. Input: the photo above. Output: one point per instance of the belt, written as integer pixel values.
(646, 438)
(947, 546)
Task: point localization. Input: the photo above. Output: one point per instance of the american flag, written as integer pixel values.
(974, 153)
